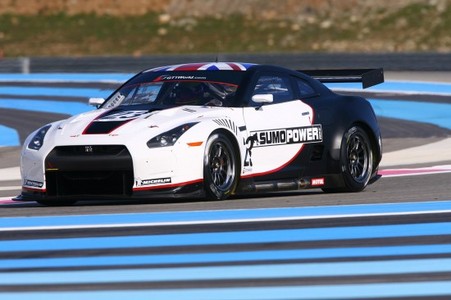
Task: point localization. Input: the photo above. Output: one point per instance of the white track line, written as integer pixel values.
(223, 221)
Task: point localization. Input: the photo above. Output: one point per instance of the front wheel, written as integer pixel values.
(221, 169)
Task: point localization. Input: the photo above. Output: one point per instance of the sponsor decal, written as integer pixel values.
(33, 183)
(156, 181)
(249, 143)
(286, 136)
(318, 181)
(89, 149)
(179, 77)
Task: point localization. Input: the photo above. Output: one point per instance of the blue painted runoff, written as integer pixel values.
(345, 291)
(222, 257)
(265, 271)
(59, 92)
(58, 107)
(438, 88)
(67, 77)
(8, 137)
(222, 238)
(433, 113)
(255, 214)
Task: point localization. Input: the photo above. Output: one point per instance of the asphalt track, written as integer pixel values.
(392, 241)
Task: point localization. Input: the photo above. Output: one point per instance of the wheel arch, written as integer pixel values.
(356, 111)
(338, 134)
(375, 144)
(233, 139)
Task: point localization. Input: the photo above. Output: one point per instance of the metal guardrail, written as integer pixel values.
(130, 64)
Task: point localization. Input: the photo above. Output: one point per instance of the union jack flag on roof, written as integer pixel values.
(215, 66)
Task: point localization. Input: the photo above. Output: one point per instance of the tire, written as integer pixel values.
(356, 161)
(221, 170)
(56, 202)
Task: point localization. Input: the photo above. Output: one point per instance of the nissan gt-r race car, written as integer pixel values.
(209, 130)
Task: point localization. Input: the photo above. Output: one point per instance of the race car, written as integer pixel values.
(209, 130)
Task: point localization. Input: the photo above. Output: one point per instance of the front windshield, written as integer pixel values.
(172, 90)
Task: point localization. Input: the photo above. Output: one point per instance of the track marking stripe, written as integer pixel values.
(10, 188)
(222, 257)
(222, 216)
(297, 270)
(222, 238)
(415, 171)
(7, 200)
(349, 291)
(219, 221)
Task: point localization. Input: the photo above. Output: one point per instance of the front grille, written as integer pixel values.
(90, 149)
(87, 183)
(89, 170)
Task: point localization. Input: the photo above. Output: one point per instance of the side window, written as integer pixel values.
(278, 86)
(305, 89)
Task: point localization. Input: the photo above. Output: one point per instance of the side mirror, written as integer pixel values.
(96, 101)
(263, 98)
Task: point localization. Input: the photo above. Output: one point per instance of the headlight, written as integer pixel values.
(169, 138)
(38, 140)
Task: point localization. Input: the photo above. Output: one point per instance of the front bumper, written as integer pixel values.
(89, 170)
(103, 172)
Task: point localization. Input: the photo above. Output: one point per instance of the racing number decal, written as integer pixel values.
(109, 122)
(122, 116)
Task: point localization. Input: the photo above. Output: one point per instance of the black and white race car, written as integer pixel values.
(209, 130)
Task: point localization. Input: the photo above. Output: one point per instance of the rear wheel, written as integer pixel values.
(221, 169)
(356, 160)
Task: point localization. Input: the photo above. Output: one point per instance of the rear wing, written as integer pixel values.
(368, 77)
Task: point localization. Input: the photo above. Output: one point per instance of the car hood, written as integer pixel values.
(129, 121)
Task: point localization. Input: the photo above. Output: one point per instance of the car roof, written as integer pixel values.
(205, 66)
(248, 68)
(222, 66)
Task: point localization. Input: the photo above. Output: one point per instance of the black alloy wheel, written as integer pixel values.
(356, 159)
(221, 170)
